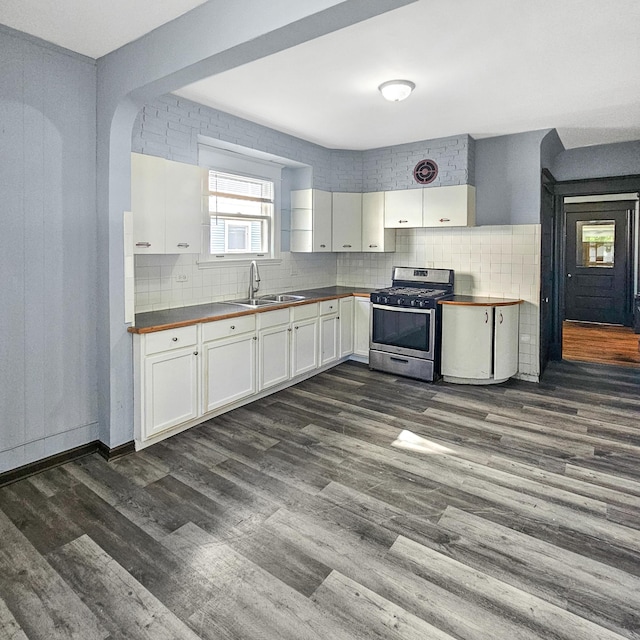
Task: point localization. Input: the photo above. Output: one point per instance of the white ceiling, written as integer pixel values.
(485, 68)
(91, 27)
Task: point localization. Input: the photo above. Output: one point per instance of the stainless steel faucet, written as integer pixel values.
(254, 279)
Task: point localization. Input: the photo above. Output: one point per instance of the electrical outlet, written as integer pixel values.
(182, 277)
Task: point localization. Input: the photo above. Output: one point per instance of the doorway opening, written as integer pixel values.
(599, 279)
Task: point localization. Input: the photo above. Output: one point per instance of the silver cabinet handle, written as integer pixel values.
(183, 244)
(143, 244)
(255, 337)
(297, 328)
(373, 246)
(289, 329)
(501, 318)
(486, 317)
(195, 353)
(322, 246)
(233, 326)
(346, 246)
(402, 221)
(175, 339)
(444, 220)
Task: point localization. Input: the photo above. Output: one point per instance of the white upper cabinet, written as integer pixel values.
(147, 203)
(166, 204)
(310, 220)
(403, 209)
(347, 221)
(183, 207)
(375, 237)
(453, 206)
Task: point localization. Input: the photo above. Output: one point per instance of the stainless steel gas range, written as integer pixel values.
(405, 331)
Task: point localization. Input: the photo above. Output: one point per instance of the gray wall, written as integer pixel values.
(169, 127)
(389, 168)
(600, 161)
(508, 179)
(48, 388)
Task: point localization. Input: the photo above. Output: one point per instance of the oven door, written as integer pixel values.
(408, 332)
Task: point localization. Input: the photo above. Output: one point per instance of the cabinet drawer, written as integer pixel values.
(304, 311)
(273, 318)
(170, 339)
(329, 306)
(228, 328)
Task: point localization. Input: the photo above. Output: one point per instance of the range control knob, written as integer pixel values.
(400, 300)
(414, 303)
(384, 300)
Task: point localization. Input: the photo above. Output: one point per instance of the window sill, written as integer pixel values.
(203, 263)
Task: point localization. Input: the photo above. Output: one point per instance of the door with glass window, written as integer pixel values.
(598, 262)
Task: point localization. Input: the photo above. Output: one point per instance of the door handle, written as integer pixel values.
(569, 275)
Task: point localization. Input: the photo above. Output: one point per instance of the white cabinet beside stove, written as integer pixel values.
(479, 342)
(361, 320)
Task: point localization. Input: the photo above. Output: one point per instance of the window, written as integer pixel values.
(596, 240)
(241, 215)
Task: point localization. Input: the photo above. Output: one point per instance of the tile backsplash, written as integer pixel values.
(168, 281)
(499, 261)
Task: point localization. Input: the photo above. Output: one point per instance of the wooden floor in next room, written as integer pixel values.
(354, 505)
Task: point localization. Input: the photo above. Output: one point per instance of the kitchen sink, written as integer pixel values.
(282, 297)
(253, 302)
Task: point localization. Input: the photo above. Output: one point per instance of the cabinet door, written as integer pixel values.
(467, 333)
(453, 206)
(321, 221)
(170, 390)
(362, 313)
(347, 222)
(403, 208)
(147, 203)
(329, 339)
(229, 371)
(506, 341)
(304, 346)
(273, 356)
(345, 317)
(183, 207)
(375, 237)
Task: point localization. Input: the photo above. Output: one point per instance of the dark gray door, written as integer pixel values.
(597, 258)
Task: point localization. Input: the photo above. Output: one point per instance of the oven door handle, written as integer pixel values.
(385, 307)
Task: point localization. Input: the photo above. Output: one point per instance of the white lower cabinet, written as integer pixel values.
(184, 375)
(274, 348)
(229, 370)
(362, 313)
(170, 389)
(304, 347)
(479, 343)
(168, 380)
(329, 332)
(346, 319)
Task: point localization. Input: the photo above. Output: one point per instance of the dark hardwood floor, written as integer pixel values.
(353, 505)
(603, 343)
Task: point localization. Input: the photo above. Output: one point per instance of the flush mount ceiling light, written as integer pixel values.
(396, 90)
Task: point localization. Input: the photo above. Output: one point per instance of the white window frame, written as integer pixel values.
(238, 164)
